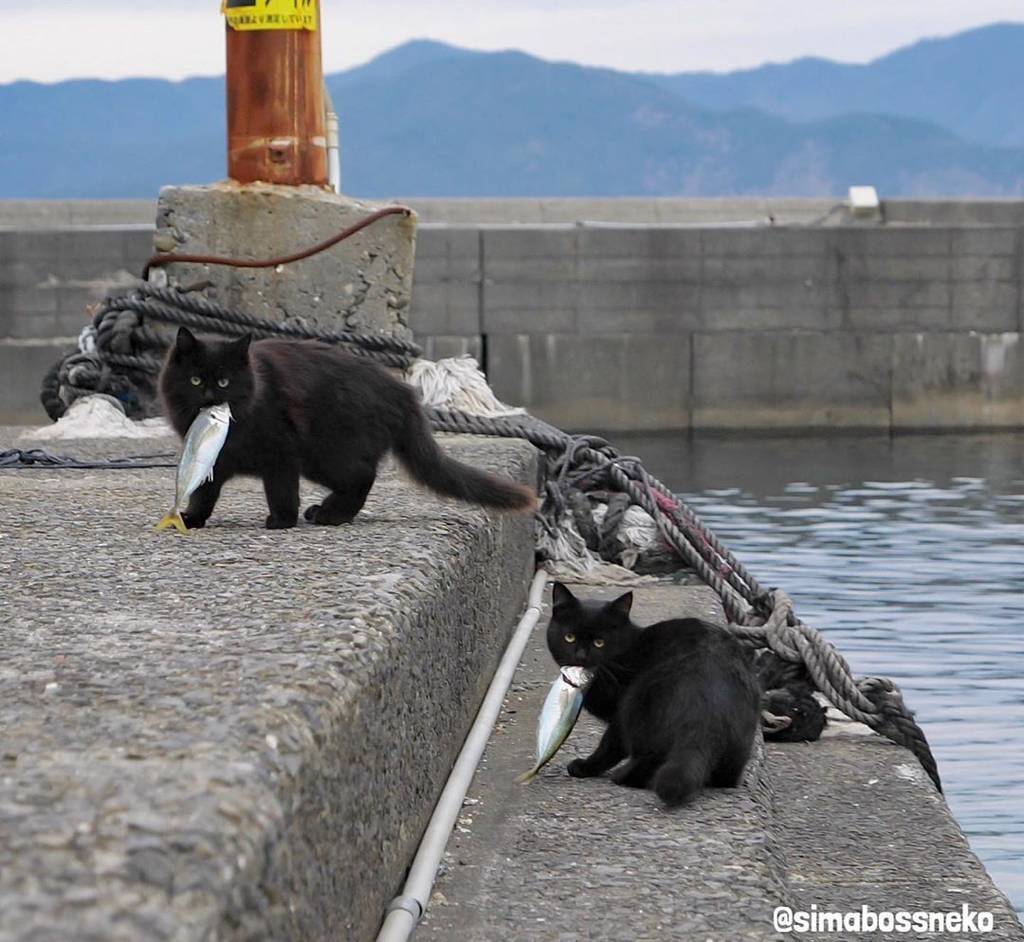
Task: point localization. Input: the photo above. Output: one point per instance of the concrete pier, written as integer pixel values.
(363, 283)
(239, 734)
(849, 821)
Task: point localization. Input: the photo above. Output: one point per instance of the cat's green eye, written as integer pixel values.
(222, 383)
(599, 642)
(197, 381)
(570, 638)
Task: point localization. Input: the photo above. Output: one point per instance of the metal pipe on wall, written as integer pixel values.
(406, 909)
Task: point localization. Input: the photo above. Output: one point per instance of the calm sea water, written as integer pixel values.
(909, 554)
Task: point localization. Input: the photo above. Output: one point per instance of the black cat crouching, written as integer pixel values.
(303, 408)
(681, 698)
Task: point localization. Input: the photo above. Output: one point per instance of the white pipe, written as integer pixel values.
(333, 153)
(333, 143)
(405, 910)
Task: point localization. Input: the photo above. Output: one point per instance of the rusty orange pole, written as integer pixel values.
(276, 121)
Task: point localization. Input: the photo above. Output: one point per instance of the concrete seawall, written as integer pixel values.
(848, 821)
(237, 735)
(680, 327)
(653, 315)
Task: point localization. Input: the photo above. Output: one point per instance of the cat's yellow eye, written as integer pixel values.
(570, 638)
(197, 381)
(599, 642)
(222, 383)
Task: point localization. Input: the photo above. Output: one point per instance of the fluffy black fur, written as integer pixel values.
(306, 408)
(681, 698)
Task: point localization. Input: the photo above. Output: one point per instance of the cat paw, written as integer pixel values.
(321, 517)
(578, 768)
(280, 523)
(629, 778)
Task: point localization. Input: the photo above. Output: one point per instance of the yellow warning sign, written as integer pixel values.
(270, 14)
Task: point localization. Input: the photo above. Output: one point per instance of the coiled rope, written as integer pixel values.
(120, 353)
(117, 356)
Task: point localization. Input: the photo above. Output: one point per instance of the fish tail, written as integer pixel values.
(172, 519)
(528, 776)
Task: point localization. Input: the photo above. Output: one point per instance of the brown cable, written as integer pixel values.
(170, 257)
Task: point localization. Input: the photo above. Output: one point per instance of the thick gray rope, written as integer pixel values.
(124, 352)
(874, 701)
(734, 597)
(697, 545)
(193, 310)
(210, 311)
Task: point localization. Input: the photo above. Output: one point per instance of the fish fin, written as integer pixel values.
(528, 776)
(172, 519)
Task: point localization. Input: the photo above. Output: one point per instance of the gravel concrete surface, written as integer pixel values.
(849, 821)
(238, 734)
(862, 825)
(574, 860)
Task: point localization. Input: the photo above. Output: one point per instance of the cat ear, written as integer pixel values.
(186, 341)
(561, 596)
(622, 605)
(242, 346)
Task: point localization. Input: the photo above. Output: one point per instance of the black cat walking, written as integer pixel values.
(303, 408)
(681, 698)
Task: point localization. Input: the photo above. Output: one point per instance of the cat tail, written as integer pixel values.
(172, 519)
(685, 772)
(423, 458)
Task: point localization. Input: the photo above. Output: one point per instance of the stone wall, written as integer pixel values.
(48, 279)
(676, 327)
(702, 317)
(50, 214)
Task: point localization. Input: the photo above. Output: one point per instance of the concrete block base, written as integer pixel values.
(363, 283)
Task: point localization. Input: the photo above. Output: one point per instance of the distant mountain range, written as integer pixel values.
(968, 84)
(425, 119)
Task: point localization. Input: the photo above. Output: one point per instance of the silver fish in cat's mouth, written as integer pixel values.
(205, 438)
(558, 715)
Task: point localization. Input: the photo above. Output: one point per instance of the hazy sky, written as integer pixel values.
(59, 39)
